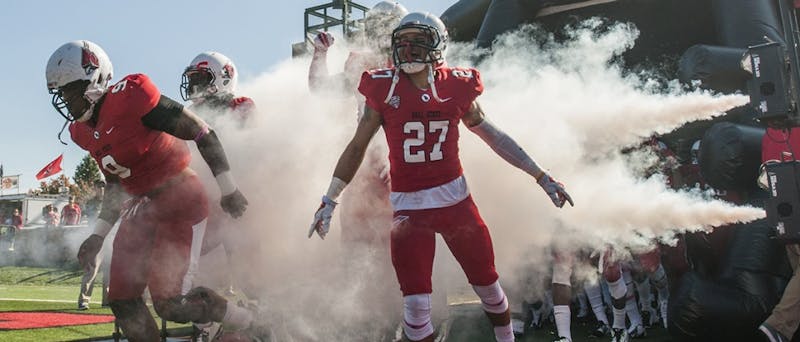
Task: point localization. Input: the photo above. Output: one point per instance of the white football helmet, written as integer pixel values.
(210, 73)
(80, 60)
(412, 56)
(380, 20)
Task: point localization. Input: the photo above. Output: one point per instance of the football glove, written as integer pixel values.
(555, 190)
(234, 204)
(323, 41)
(322, 218)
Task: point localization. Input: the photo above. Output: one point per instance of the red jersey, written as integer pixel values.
(775, 144)
(243, 108)
(122, 145)
(422, 133)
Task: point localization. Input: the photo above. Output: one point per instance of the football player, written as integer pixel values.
(379, 22)
(365, 213)
(419, 103)
(137, 136)
(617, 275)
(209, 82)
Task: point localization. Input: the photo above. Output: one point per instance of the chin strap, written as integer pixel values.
(431, 81)
(395, 79)
(66, 122)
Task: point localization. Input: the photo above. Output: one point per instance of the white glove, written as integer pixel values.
(555, 190)
(323, 41)
(322, 218)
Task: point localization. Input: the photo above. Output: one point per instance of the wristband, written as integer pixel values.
(336, 188)
(226, 183)
(101, 228)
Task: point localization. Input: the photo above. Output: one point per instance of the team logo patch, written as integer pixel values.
(227, 74)
(89, 61)
(96, 135)
(395, 101)
(425, 97)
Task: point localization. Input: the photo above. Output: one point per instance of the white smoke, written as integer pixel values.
(568, 104)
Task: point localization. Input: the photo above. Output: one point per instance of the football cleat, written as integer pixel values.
(601, 330)
(650, 317)
(619, 335)
(83, 306)
(637, 332)
(209, 332)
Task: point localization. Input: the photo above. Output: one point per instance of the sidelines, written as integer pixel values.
(40, 300)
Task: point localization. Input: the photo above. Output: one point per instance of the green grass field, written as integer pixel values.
(45, 289)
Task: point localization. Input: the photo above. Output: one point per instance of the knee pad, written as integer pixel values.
(200, 305)
(562, 272)
(417, 316)
(492, 297)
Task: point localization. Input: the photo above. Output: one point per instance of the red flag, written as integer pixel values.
(50, 169)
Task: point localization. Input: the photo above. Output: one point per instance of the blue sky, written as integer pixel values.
(158, 38)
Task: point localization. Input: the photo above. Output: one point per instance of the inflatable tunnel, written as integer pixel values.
(696, 41)
(701, 43)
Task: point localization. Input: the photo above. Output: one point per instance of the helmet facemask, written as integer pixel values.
(209, 74)
(414, 46)
(197, 83)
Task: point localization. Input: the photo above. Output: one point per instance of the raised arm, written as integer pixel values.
(346, 168)
(172, 118)
(318, 76)
(510, 151)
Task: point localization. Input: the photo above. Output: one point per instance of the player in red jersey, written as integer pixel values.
(137, 136)
(210, 83)
(419, 104)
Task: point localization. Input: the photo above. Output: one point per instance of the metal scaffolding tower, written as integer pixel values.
(326, 17)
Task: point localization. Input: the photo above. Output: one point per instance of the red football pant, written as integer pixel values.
(152, 247)
(414, 242)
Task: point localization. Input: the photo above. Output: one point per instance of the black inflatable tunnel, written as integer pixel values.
(731, 305)
(730, 155)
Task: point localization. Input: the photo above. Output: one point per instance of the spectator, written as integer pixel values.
(16, 219)
(52, 218)
(13, 223)
(71, 213)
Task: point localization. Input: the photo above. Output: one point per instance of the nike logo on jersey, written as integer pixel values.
(110, 129)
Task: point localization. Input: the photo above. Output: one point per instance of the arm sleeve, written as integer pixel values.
(212, 152)
(164, 115)
(506, 148)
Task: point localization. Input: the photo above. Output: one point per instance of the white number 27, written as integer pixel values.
(418, 128)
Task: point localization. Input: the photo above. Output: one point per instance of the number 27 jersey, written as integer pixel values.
(421, 132)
